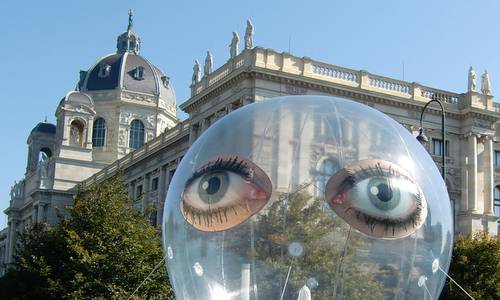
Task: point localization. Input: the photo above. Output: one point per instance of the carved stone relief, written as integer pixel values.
(150, 120)
(137, 97)
(121, 138)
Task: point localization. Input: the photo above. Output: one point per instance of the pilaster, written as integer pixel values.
(471, 163)
(489, 173)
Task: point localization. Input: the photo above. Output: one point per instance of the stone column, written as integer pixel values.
(11, 241)
(131, 190)
(193, 132)
(146, 190)
(489, 173)
(43, 210)
(40, 213)
(162, 184)
(203, 125)
(472, 171)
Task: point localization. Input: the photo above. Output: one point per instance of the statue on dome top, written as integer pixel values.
(249, 35)
(471, 86)
(130, 19)
(485, 83)
(234, 45)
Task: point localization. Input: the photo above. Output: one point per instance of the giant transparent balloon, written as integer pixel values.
(307, 196)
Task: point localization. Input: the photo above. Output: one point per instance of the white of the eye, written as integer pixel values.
(406, 189)
(235, 185)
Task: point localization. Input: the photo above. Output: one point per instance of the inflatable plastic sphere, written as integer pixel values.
(307, 197)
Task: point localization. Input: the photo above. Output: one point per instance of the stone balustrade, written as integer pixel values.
(161, 141)
(335, 72)
(304, 66)
(447, 97)
(383, 84)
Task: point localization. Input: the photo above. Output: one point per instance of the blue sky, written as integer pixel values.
(45, 45)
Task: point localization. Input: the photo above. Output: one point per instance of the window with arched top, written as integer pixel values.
(76, 133)
(136, 138)
(99, 132)
(326, 170)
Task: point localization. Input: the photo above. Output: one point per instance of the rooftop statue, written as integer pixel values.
(234, 47)
(485, 83)
(471, 85)
(196, 72)
(209, 60)
(249, 35)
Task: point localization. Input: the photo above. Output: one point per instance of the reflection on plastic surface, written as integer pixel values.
(306, 194)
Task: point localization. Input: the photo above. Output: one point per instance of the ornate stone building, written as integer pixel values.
(122, 115)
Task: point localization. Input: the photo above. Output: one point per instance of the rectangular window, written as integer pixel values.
(154, 184)
(497, 208)
(497, 158)
(437, 145)
(138, 192)
(170, 175)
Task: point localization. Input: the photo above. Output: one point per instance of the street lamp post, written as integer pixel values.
(423, 139)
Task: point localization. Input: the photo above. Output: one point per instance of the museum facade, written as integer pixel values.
(122, 116)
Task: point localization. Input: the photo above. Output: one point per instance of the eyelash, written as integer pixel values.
(369, 172)
(233, 164)
(208, 215)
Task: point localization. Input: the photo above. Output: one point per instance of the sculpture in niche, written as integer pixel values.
(196, 72)
(75, 136)
(234, 45)
(485, 83)
(165, 80)
(471, 86)
(43, 170)
(104, 70)
(209, 60)
(249, 35)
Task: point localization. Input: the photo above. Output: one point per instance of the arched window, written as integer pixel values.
(99, 133)
(326, 170)
(136, 138)
(76, 133)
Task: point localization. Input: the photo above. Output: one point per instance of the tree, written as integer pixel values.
(311, 223)
(103, 251)
(475, 265)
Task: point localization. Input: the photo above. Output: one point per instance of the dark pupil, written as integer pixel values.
(213, 185)
(384, 192)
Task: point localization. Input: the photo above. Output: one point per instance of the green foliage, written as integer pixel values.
(475, 266)
(331, 263)
(103, 251)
